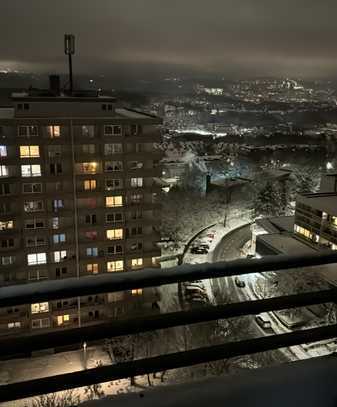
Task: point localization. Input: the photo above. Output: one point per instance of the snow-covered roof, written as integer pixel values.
(285, 243)
(326, 202)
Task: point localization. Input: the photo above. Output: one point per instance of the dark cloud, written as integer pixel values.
(288, 37)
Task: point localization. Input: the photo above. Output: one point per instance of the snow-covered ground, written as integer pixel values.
(213, 236)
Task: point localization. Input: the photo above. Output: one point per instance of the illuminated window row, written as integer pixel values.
(114, 266)
(29, 152)
(304, 232)
(32, 131)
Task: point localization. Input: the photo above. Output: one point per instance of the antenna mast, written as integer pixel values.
(69, 49)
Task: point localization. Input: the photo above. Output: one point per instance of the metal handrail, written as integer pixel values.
(175, 360)
(114, 282)
(9, 347)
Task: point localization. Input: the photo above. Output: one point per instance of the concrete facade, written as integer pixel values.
(77, 197)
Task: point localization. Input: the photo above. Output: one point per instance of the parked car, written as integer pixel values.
(239, 283)
(189, 290)
(195, 284)
(198, 250)
(263, 321)
(198, 299)
(250, 256)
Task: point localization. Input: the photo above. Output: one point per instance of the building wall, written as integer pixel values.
(77, 198)
(315, 226)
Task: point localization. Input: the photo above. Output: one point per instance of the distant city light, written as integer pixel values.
(91, 80)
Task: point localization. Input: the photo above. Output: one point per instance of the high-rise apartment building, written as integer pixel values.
(77, 197)
(316, 219)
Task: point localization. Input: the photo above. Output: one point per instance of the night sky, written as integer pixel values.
(229, 37)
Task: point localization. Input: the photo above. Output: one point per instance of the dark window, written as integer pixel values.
(20, 106)
(92, 219)
(26, 106)
(103, 107)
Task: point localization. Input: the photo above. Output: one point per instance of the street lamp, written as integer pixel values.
(85, 354)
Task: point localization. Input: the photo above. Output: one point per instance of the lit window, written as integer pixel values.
(136, 263)
(57, 204)
(113, 166)
(59, 238)
(41, 323)
(6, 225)
(59, 256)
(31, 170)
(33, 206)
(110, 130)
(113, 148)
(92, 251)
(137, 291)
(92, 268)
(155, 261)
(55, 223)
(115, 266)
(4, 171)
(136, 182)
(12, 325)
(26, 131)
(114, 234)
(87, 168)
(63, 319)
(40, 307)
(304, 232)
(7, 260)
(3, 151)
(112, 184)
(334, 220)
(90, 184)
(29, 151)
(34, 259)
(53, 131)
(113, 201)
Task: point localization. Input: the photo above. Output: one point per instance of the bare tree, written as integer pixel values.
(67, 398)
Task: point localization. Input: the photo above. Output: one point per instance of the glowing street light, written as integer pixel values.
(329, 166)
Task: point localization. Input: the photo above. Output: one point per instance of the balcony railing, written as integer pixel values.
(47, 291)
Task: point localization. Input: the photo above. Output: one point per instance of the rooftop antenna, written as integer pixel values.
(69, 49)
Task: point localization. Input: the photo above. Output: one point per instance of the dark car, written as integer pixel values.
(239, 283)
(199, 250)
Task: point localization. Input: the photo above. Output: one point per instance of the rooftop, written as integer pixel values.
(285, 243)
(277, 224)
(326, 202)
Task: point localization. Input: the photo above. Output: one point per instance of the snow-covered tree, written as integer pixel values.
(268, 200)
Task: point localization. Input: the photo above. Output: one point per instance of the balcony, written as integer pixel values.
(309, 382)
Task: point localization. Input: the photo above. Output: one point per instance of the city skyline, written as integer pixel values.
(221, 37)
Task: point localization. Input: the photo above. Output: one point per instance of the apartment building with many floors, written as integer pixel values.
(77, 197)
